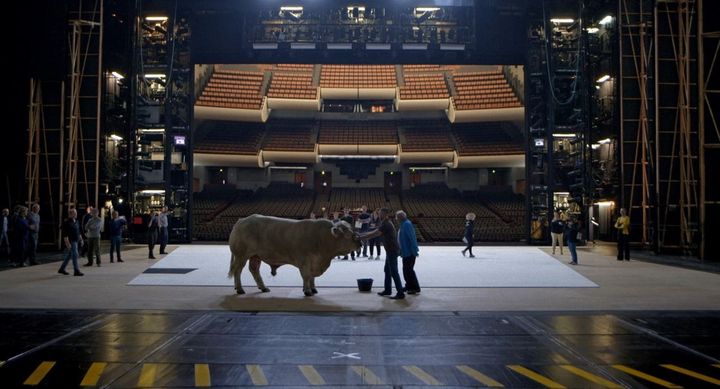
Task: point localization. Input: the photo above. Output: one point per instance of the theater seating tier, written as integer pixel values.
(424, 87)
(357, 132)
(292, 86)
(286, 137)
(235, 138)
(233, 89)
(427, 137)
(483, 90)
(358, 76)
(490, 138)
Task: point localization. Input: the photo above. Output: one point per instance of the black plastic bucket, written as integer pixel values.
(365, 284)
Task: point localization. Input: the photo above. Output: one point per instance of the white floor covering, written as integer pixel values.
(436, 267)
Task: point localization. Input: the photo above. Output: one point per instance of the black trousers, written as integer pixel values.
(152, 239)
(469, 247)
(623, 247)
(411, 281)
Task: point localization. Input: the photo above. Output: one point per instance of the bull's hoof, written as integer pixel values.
(308, 293)
(264, 290)
(314, 291)
(240, 291)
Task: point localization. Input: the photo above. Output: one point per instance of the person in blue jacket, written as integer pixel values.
(408, 251)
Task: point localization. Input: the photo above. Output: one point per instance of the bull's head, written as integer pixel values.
(348, 239)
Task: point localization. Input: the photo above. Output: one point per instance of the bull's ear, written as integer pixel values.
(334, 231)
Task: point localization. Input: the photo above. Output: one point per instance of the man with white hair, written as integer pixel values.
(408, 251)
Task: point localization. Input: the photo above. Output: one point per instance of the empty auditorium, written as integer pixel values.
(346, 194)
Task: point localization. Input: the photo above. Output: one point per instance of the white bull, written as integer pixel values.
(309, 245)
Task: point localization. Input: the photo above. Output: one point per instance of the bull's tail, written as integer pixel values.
(233, 265)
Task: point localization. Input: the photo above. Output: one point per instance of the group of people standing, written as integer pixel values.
(19, 235)
(568, 230)
(377, 229)
(401, 242)
(83, 237)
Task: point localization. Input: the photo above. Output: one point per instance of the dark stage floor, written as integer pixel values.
(62, 349)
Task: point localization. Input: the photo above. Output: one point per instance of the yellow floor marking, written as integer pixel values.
(2, 363)
(693, 374)
(93, 374)
(717, 365)
(367, 375)
(147, 375)
(646, 377)
(535, 377)
(202, 375)
(422, 375)
(39, 373)
(256, 374)
(591, 377)
(312, 375)
(480, 377)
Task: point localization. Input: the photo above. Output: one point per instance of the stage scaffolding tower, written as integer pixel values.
(161, 117)
(708, 77)
(63, 155)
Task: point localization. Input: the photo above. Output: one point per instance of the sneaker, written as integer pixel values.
(399, 296)
(463, 252)
(88, 264)
(573, 263)
(151, 256)
(377, 258)
(63, 272)
(416, 291)
(78, 274)
(384, 293)
(472, 256)
(120, 260)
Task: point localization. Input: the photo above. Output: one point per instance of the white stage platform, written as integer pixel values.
(436, 267)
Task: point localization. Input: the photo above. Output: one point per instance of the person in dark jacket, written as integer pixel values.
(557, 228)
(364, 219)
(571, 233)
(71, 237)
(85, 218)
(152, 234)
(347, 217)
(117, 224)
(468, 237)
(376, 242)
(392, 249)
